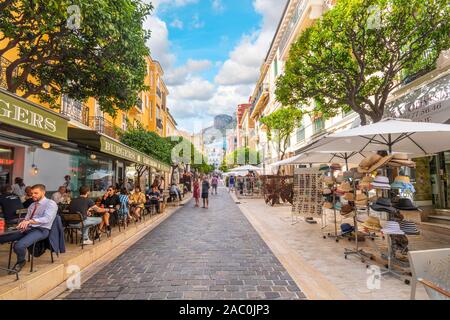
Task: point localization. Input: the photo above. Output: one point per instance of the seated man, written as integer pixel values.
(86, 207)
(35, 227)
(10, 203)
(153, 198)
(61, 196)
(174, 190)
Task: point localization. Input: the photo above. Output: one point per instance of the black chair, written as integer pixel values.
(30, 256)
(74, 222)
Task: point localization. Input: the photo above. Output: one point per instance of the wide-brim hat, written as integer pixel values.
(345, 187)
(405, 204)
(392, 227)
(346, 209)
(338, 205)
(324, 167)
(328, 205)
(346, 228)
(335, 166)
(401, 159)
(383, 204)
(381, 182)
(361, 200)
(349, 196)
(380, 163)
(368, 162)
(326, 191)
(402, 179)
(372, 223)
(398, 185)
(327, 180)
(409, 227)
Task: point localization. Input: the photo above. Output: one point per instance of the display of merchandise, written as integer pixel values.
(409, 227)
(347, 211)
(345, 187)
(392, 227)
(346, 228)
(372, 224)
(383, 204)
(308, 198)
(361, 200)
(373, 162)
(401, 160)
(381, 182)
(405, 204)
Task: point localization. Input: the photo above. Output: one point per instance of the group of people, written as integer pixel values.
(206, 184)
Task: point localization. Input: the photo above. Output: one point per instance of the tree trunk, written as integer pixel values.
(363, 119)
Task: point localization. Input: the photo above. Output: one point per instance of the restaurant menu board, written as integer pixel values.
(308, 199)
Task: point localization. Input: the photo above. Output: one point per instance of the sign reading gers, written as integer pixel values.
(21, 114)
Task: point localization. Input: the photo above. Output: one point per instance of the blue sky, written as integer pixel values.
(211, 51)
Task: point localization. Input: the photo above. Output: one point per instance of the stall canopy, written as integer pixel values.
(417, 139)
(348, 157)
(113, 147)
(247, 168)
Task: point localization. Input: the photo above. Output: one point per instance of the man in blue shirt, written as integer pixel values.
(36, 225)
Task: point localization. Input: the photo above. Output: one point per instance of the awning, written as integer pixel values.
(26, 115)
(115, 148)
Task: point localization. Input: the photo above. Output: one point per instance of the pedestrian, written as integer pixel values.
(18, 188)
(241, 184)
(231, 183)
(214, 183)
(205, 192)
(197, 193)
(35, 227)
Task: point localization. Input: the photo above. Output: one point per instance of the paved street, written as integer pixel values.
(195, 254)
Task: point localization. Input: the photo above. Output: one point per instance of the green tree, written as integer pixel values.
(353, 58)
(82, 48)
(280, 125)
(243, 156)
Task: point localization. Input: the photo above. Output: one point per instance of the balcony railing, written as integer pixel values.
(301, 6)
(101, 125)
(158, 92)
(4, 63)
(263, 89)
(75, 110)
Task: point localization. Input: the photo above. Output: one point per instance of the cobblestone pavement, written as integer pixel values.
(195, 254)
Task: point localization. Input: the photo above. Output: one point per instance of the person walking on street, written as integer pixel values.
(231, 183)
(214, 183)
(197, 193)
(205, 192)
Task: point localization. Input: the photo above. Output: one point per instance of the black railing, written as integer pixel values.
(104, 126)
(75, 110)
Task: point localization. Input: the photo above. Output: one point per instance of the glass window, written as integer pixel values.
(319, 125)
(301, 134)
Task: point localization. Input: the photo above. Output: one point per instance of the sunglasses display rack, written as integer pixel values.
(308, 199)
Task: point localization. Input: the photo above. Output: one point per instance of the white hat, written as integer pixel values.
(392, 227)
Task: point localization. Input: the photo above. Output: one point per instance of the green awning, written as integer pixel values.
(115, 148)
(21, 113)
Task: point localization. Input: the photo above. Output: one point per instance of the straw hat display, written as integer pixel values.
(347, 210)
(356, 175)
(340, 178)
(335, 167)
(328, 180)
(365, 183)
(405, 204)
(392, 227)
(326, 191)
(361, 200)
(349, 196)
(401, 160)
(409, 227)
(373, 162)
(345, 187)
(381, 182)
(328, 205)
(372, 224)
(324, 167)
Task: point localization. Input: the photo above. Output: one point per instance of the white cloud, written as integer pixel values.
(179, 75)
(196, 22)
(195, 88)
(244, 62)
(177, 23)
(217, 6)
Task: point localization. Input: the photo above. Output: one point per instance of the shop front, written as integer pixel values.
(430, 103)
(103, 162)
(33, 143)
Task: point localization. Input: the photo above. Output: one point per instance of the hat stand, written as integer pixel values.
(336, 235)
(357, 251)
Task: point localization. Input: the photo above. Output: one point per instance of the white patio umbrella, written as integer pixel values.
(324, 157)
(247, 168)
(417, 139)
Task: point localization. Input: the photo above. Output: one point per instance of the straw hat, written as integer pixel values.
(346, 209)
(368, 162)
(326, 191)
(335, 166)
(328, 205)
(327, 180)
(348, 175)
(361, 200)
(383, 204)
(340, 178)
(372, 223)
(403, 179)
(345, 187)
(380, 163)
(400, 160)
(349, 196)
(365, 182)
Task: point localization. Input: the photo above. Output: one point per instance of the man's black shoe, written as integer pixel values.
(17, 267)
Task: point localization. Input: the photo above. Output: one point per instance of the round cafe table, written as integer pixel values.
(8, 232)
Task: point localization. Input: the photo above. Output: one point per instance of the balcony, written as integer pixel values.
(4, 63)
(75, 110)
(101, 125)
(298, 12)
(260, 100)
(158, 92)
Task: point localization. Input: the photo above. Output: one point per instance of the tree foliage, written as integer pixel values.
(242, 156)
(82, 48)
(280, 125)
(353, 58)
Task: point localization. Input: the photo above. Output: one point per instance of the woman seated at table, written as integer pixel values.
(137, 201)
